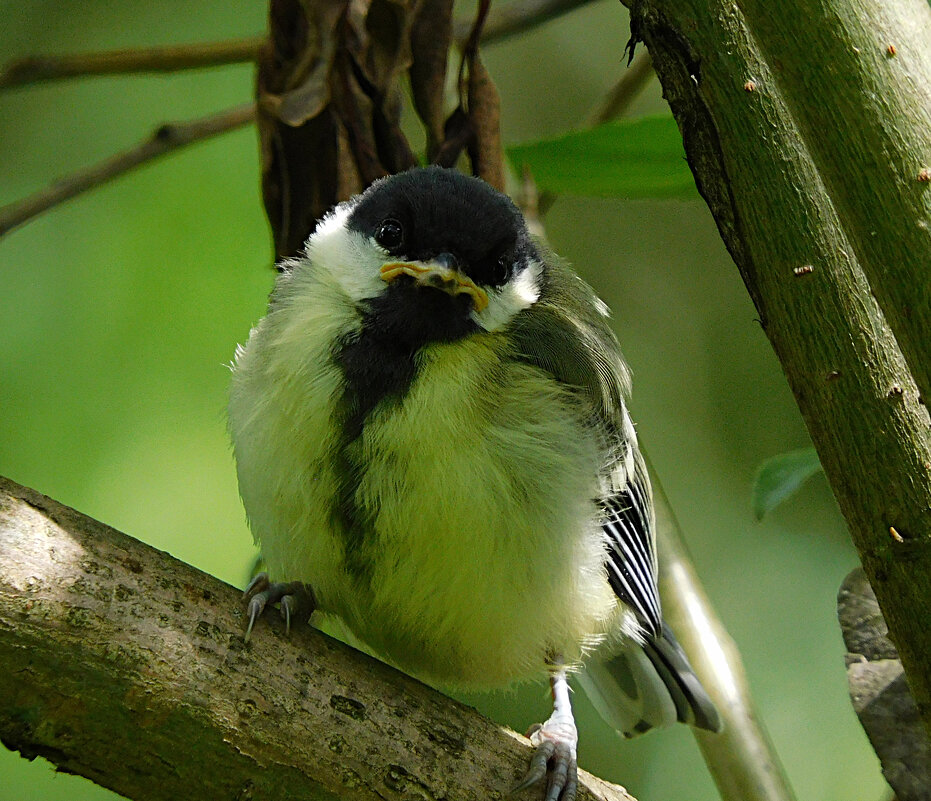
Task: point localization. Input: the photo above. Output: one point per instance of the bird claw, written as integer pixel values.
(554, 757)
(295, 597)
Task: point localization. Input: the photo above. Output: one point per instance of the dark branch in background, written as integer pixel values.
(40, 69)
(880, 693)
(508, 19)
(614, 105)
(165, 139)
(504, 21)
(619, 98)
(128, 667)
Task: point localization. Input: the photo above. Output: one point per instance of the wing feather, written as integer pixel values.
(566, 334)
(631, 542)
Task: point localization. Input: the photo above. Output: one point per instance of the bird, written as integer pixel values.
(433, 445)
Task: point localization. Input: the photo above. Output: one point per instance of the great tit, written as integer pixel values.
(430, 433)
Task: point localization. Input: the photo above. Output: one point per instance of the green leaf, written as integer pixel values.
(636, 158)
(781, 476)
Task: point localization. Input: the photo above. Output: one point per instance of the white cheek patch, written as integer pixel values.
(515, 296)
(350, 257)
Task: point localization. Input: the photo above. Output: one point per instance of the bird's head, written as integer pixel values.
(432, 253)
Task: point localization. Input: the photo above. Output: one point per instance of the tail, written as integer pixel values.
(648, 686)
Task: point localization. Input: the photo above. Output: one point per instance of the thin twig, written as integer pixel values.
(620, 97)
(503, 22)
(527, 197)
(515, 17)
(164, 139)
(38, 69)
(613, 105)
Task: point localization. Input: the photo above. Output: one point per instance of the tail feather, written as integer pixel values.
(641, 688)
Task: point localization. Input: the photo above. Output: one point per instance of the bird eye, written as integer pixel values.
(389, 234)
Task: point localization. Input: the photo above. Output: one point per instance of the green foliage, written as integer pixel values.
(780, 476)
(631, 158)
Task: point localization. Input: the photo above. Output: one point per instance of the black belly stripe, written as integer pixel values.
(375, 373)
(379, 366)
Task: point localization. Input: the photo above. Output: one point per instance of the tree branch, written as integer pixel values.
(504, 21)
(39, 69)
(612, 106)
(518, 16)
(619, 98)
(164, 139)
(756, 128)
(741, 758)
(880, 693)
(128, 667)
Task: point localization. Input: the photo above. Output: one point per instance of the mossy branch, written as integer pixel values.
(128, 667)
(806, 133)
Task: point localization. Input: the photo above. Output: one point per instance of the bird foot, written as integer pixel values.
(295, 598)
(555, 742)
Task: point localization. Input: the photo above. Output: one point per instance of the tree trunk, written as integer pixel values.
(807, 128)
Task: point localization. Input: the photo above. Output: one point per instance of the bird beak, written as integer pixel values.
(438, 274)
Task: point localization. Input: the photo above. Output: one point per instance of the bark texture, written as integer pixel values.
(128, 667)
(880, 693)
(806, 133)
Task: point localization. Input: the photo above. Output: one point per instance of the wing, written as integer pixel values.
(630, 536)
(566, 333)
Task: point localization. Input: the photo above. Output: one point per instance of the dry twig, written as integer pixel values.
(164, 139)
(516, 17)
(504, 21)
(39, 69)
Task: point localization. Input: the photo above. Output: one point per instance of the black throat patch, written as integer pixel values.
(379, 365)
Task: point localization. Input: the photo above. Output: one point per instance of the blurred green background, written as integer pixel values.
(119, 313)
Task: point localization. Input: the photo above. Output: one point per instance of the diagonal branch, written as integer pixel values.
(619, 97)
(39, 69)
(613, 105)
(164, 139)
(129, 667)
(815, 188)
(504, 21)
(741, 759)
